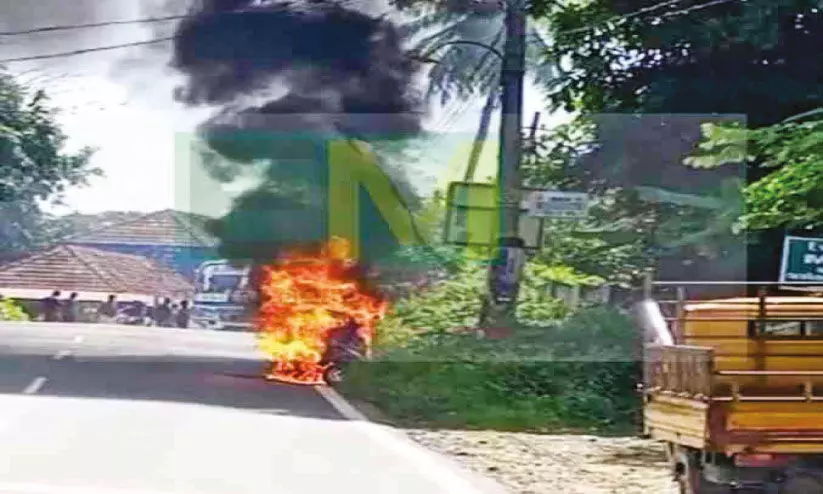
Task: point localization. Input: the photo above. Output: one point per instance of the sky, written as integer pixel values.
(120, 103)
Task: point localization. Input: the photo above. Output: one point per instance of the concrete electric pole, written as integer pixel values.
(505, 270)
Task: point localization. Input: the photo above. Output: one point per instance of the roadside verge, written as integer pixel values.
(453, 477)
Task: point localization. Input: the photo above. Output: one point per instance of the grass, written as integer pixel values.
(576, 375)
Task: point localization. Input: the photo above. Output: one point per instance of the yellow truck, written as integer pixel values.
(734, 388)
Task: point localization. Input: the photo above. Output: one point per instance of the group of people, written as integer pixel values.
(53, 309)
(163, 314)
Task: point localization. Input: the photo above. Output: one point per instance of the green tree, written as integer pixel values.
(753, 59)
(34, 166)
(636, 220)
(791, 196)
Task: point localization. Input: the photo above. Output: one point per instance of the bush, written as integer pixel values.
(449, 304)
(11, 311)
(455, 302)
(578, 374)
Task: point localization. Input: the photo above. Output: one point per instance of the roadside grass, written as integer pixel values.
(573, 375)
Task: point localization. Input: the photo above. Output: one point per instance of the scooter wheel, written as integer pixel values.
(334, 375)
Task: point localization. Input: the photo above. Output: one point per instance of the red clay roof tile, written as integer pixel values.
(75, 268)
(167, 227)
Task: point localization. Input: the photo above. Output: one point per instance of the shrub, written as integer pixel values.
(11, 311)
(577, 374)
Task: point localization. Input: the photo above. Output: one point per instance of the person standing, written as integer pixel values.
(107, 312)
(162, 314)
(71, 309)
(50, 307)
(182, 316)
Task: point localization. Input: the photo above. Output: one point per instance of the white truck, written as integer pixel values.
(223, 298)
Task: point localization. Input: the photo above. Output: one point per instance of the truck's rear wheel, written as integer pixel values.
(692, 482)
(689, 475)
(803, 483)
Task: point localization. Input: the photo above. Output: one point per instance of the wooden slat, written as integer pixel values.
(770, 373)
(726, 346)
(800, 363)
(679, 370)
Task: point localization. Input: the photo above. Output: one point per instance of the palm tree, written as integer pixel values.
(464, 68)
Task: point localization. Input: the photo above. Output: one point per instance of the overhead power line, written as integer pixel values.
(72, 27)
(84, 51)
(638, 12)
(161, 40)
(168, 18)
(695, 8)
(124, 22)
(648, 10)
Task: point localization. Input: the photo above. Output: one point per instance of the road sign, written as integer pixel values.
(802, 260)
(472, 218)
(557, 204)
(476, 226)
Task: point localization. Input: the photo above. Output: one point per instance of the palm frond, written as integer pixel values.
(541, 70)
(441, 23)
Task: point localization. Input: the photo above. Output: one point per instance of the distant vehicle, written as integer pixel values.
(131, 313)
(223, 297)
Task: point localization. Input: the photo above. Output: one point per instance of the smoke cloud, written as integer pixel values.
(288, 77)
(334, 62)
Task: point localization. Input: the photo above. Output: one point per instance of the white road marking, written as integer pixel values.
(340, 404)
(35, 385)
(448, 478)
(61, 354)
(78, 339)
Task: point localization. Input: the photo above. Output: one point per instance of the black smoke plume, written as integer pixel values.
(287, 78)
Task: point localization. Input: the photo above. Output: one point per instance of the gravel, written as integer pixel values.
(541, 464)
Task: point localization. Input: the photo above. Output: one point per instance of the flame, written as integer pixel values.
(303, 298)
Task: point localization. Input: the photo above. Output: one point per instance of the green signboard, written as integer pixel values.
(802, 260)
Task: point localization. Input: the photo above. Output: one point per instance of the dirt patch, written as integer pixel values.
(540, 464)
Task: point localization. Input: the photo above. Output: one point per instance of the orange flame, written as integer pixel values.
(304, 297)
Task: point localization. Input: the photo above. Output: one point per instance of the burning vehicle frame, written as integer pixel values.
(340, 74)
(315, 316)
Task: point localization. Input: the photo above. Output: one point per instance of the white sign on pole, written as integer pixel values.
(557, 204)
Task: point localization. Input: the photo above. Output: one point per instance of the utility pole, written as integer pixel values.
(505, 270)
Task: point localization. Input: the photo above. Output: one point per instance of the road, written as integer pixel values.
(128, 410)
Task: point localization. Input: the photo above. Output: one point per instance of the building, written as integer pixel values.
(175, 239)
(93, 273)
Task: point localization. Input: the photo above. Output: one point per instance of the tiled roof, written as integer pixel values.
(167, 227)
(75, 268)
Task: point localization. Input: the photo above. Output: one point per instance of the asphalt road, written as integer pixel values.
(128, 410)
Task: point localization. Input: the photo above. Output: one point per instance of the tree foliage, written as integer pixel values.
(440, 35)
(34, 165)
(637, 221)
(791, 196)
(757, 58)
(626, 64)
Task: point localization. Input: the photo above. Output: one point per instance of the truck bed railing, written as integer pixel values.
(807, 385)
(688, 372)
(679, 370)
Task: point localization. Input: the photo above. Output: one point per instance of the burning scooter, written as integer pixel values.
(345, 344)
